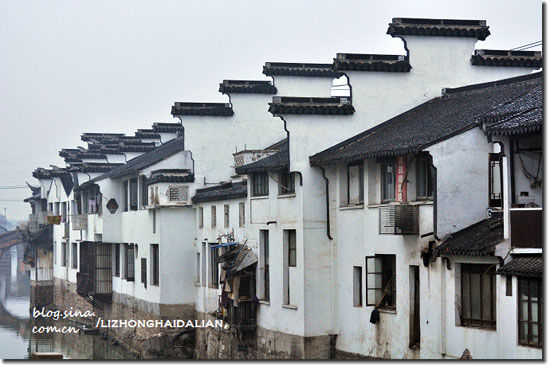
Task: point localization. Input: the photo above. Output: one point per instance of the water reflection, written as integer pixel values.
(16, 322)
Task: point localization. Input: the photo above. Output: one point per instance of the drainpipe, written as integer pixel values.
(435, 201)
(327, 201)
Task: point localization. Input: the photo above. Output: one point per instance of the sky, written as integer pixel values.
(69, 67)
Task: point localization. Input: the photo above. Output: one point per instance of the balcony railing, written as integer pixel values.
(80, 222)
(526, 227)
(398, 219)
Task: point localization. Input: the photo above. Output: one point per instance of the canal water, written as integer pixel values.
(17, 340)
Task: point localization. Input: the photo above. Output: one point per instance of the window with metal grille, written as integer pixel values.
(260, 184)
(530, 311)
(495, 180)
(178, 193)
(154, 264)
(478, 296)
(398, 219)
(381, 290)
(226, 215)
(424, 177)
(213, 216)
(129, 262)
(133, 194)
(286, 183)
(241, 214)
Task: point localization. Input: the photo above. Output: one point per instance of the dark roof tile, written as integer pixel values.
(247, 86)
(529, 59)
(438, 27)
(438, 119)
(228, 191)
(524, 266)
(478, 239)
(300, 69)
(201, 109)
(145, 160)
(371, 62)
(170, 175)
(311, 106)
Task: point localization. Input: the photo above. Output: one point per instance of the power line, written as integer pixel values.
(529, 45)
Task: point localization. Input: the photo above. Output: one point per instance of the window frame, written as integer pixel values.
(540, 312)
(155, 264)
(226, 215)
(495, 201)
(133, 194)
(129, 254)
(144, 192)
(361, 182)
(286, 184)
(383, 194)
(201, 217)
(125, 194)
(74, 255)
(385, 259)
(213, 218)
(117, 259)
(481, 269)
(260, 184)
(292, 252)
(427, 179)
(242, 214)
(214, 271)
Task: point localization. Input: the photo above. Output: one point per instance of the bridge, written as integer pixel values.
(10, 239)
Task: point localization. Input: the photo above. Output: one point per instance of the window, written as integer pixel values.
(260, 184)
(478, 296)
(56, 208)
(226, 215)
(177, 193)
(74, 255)
(125, 194)
(154, 264)
(241, 214)
(289, 264)
(64, 212)
(495, 180)
(144, 272)
(63, 254)
(117, 260)
(129, 262)
(388, 181)
(380, 270)
(286, 183)
(424, 176)
(201, 217)
(355, 180)
(357, 286)
(291, 248)
(133, 194)
(55, 252)
(213, 216)
(264, 263)
(144, 188)
(154, 221)
(530, 328)
(214, 268)
(203, 264)
(198, 269)
(508, 285)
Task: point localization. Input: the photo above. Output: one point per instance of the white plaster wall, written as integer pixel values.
(462, 180)
(303, 86)
(212, 140)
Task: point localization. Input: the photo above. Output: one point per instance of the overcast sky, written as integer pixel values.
(69, 67)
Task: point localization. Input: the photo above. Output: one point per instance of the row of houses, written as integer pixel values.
(402, 220)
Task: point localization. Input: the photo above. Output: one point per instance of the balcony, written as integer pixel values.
(526, 227)
(398, 219)
(79, 222)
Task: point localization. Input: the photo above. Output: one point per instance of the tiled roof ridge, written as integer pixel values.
(438, 27)
(495, 83)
